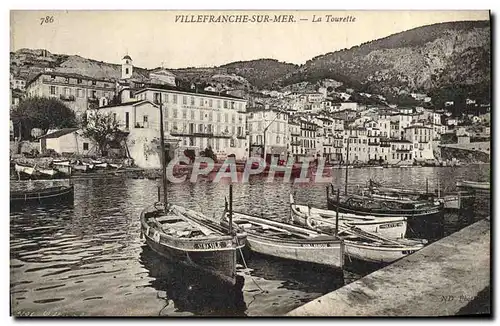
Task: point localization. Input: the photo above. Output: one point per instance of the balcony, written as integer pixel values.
(67, 97)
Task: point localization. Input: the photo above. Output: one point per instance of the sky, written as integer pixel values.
(154, 38)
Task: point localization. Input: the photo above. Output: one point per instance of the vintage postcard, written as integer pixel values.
(250, 163)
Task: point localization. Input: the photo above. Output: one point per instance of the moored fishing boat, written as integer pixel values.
(24, 170)
(45, 195)
(380, 252)
(82, 168)
(61, 162)
(185, 236)
(366, 205)
(116, 166)
(389, 227)
(286, 241)
(474, 185)
(47, 172)
(370, 247)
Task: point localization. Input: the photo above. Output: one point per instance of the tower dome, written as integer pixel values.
(127, 67)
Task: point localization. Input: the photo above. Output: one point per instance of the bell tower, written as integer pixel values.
(127, 67)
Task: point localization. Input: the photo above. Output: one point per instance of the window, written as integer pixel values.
(174, 98)
(232, 105)
(175, 113)
(210, 103)
(184, 100)
(126, 120)
(52, 90)
(210, 116)
(157, 98)
(226, 117)
(114, 116)
(85, 146)
(79, 81)
(184, 114)
(94, 82)
(192, 114)
(192, 100)
(202, 101)
(225, 104)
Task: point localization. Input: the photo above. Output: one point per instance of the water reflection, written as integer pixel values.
(89, 258)
(189, 290)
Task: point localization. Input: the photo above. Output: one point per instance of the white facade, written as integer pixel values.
(276, 135)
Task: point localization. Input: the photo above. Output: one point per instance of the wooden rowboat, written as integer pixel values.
(61, 162)
(28, 170)
(46, 195)
(185, 236)
(83, 168)
(116, 166)
(103, 165)
(474, 185)
(286, 241)
(370, 247)
(47, 172)
(389, 227)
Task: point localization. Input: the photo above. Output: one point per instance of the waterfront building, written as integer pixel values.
(67, 141)
(274, 124)
(294, 145)
(401, 152)
(421, 137)
(78, 92)
(308, 137)
(200, 119)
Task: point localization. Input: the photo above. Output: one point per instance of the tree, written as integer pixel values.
(43, 113)
(102, 128)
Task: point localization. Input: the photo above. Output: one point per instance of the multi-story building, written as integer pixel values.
(200, 119)
(78, 92)
(401, 151)
(294, 144)
(421, 137)
(273, 124)
(17, 82)
(307, 139)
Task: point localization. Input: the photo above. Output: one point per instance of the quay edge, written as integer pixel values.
(438, 280)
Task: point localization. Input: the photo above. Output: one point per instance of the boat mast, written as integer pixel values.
(230, 209)
(346, 165)
(162, 158)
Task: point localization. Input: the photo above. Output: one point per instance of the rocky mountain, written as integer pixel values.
(424, 59)
(446, 61)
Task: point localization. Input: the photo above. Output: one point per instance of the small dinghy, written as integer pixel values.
(41, 196)
(474, 185)
(47, 172)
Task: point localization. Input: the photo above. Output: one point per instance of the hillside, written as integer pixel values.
(448, 61)
(423, 59)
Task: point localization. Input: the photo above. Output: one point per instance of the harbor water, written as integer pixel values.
(88, 258)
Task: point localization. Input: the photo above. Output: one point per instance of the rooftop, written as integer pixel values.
(151, 86)
(58, 133)
(67, 75)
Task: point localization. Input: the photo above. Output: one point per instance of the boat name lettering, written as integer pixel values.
(211, 245)
(315, 245)
(390, 225)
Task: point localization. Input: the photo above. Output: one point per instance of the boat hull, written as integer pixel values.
(375, 254)
(216, 256)
(220, 264)
(389, 227)
(474, 185)
(42, 197)
(318, 252)
(421, 213)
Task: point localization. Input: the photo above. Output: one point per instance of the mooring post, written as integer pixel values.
(337, 214)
